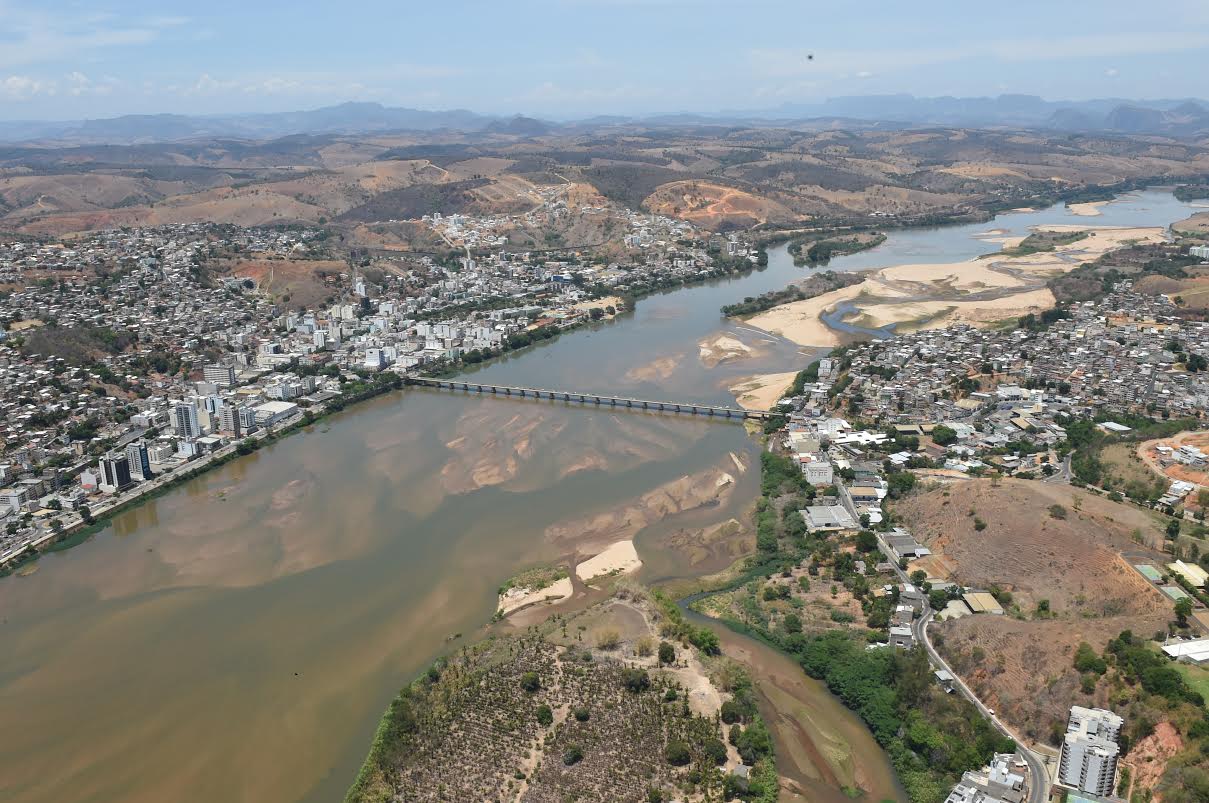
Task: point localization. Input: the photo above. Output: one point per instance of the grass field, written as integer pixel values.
(1195, 676)
(1127, 470)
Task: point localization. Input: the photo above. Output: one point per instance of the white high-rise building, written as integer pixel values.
(184, 418)
(1090, 751)
(139, 460)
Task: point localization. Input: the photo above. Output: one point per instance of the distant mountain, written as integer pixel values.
(1171, 117)
(519, 126)
(346, 118)
(1185, 119)
(1179, 118)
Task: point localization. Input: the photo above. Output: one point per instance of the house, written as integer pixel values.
(900, 637)
(982, 602)
(828, 518)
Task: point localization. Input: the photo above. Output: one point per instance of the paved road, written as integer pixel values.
(1063, 474)
(1038, 792)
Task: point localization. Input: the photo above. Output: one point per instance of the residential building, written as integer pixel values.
(185, 420)
(115, 473)
(221, 375)
(1090, 751)
(139, 461)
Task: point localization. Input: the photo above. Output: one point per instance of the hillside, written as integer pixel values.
(1060, 572)
(718, 177)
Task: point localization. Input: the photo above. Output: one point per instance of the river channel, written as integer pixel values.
(237, 638)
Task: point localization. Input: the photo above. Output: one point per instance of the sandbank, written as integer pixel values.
(656, 369)
(619, 558)
(1088, 209)
(516, 598)
(720, 348)
(799, 321)
(763, 391)
(931, 293)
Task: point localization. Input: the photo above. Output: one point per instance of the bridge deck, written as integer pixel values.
(511, 391)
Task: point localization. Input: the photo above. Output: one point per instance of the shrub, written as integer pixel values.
(678, 754)
(635, 680)
(644, 647)
(731, 712)
(1057, 512)
(581, 714)
(573, 755)
(667, 653)
(715, 750)
(735, 733)
(608, 639)
(670, 695)
(530, 682)
(544, 715)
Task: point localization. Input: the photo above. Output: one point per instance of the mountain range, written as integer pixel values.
(1175, 118)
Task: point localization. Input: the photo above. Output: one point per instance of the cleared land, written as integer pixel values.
(1147, 456)
(1022, 663)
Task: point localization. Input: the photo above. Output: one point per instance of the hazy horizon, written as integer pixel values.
(568, 59)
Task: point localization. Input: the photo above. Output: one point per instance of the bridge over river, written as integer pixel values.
(509, 391)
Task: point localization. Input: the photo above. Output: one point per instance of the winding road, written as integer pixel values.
(1038, 792)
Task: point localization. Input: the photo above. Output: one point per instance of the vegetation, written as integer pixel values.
(820, 251)
(814, 286)
(1042, 241)
(464, 730)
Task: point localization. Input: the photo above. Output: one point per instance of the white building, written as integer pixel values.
(221, 375)
(1090, 751)
(184, 418)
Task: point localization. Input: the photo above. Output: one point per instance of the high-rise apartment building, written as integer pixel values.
(1090, 751)
(139, 461)
(184, 418)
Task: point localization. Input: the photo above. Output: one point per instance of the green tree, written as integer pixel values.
(1183, 609)
(942, 435)
(678, 754)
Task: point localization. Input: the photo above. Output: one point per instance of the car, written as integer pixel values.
(991, 711)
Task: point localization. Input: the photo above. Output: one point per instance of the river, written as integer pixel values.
(237, 638)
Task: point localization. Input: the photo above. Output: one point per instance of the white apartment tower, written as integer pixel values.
(1090, 751)
(184, 418)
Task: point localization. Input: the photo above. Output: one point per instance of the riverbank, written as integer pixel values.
(84, 527)
(980, 291)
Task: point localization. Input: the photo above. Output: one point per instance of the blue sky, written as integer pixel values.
(575, 58)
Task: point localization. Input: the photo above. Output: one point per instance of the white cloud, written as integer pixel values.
(284, 85)
(23, 87)
(37, 37)
(79, 84)
(1112, 72)
(864, 74)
